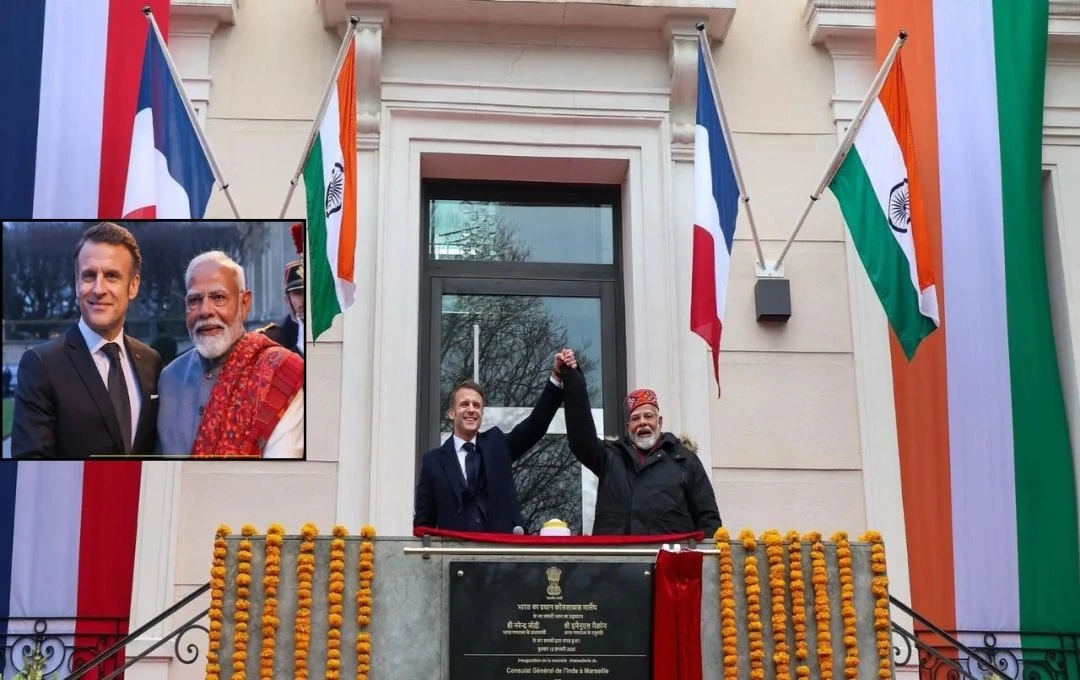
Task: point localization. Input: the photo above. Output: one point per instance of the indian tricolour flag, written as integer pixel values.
(330, 181)
(986, 461)
(881, 197)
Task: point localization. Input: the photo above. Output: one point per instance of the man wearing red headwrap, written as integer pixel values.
(651, 482)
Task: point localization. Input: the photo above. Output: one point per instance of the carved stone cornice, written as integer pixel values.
(683, 58)
(374, 20)
(206, 13)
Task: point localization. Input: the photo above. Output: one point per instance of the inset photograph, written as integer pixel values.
(153, 339)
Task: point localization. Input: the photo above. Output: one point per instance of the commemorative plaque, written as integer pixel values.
(552, 620)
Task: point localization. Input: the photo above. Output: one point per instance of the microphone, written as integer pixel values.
(518, 531)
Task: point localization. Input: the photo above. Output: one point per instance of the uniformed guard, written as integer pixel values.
(289, 332)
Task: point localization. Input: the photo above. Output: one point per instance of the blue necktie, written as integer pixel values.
(472, 464)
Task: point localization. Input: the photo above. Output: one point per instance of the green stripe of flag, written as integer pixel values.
(1046, 505)
(324, 301)
(881, 255)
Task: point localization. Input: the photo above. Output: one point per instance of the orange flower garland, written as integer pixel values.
(774, 553)
(217, 601)
(753, 606)
(336, 599)
(364, 602)
(847, 604)
(271, 581)
(728, 632)
(822, 611)
(880, 587)
(798, 605)
(305, 573)
(243, 605)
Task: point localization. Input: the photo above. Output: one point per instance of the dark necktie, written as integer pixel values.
(472, 464)
(118, 393)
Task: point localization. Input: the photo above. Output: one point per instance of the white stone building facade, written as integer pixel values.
(585, 92)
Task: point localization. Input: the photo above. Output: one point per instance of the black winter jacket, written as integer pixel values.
(668, 493)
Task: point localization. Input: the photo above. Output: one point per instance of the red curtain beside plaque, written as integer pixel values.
(677, 616)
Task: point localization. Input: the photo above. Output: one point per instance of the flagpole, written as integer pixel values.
(203, 142)
(703, 42)
(330, 84)
(846, 141)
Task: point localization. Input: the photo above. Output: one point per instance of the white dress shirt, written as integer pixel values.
(95, 343)
(459, 447)
(287, 439)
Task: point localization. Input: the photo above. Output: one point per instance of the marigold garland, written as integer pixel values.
(271, 581)
(729, 633)
(753, 606)
(336, 598)
(847, 605)
(774, 553)
(243, 604)
(797, 586)
(305, 574)
(822, 611)
(364, 602)
(217, 601)
(880, 588)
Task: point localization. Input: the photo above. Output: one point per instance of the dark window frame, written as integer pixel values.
(471, 277)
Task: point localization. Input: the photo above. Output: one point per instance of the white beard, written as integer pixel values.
(646, 442)
(213, 347)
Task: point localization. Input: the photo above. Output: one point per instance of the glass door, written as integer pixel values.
(504, 335)
(512, 274)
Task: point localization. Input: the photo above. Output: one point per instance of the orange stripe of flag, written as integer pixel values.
(920, 386)
(894, 99)
(346, 87)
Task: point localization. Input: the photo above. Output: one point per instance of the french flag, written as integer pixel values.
(67, 529)
(716, 207)
(65, 144)
(169, 175)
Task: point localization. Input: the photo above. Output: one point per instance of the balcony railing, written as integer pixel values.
(57, 647)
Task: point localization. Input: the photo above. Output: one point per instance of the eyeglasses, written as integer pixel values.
(647, 416)
(195, 300)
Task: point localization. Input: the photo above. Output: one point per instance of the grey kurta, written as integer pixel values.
(184, 390)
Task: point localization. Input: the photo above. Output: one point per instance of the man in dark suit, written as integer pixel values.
(467, 484)
(93, 390)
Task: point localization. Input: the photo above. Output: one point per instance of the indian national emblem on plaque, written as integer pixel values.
(553, 576)
(900, 208)
(335, 189)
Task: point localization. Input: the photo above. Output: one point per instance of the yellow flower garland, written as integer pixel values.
(753, 607)
(271, 581)
(305, 573)
(243, 605)
(847, 604)
(798, 605)
(729, 634)
(880, 588)
(822, 611)
(774, 552)
(217, 601)
(336, 598)
(365, 602)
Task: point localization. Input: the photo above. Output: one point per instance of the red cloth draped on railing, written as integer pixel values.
(557, 540)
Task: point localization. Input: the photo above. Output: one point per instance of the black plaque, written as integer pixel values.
(551, 620)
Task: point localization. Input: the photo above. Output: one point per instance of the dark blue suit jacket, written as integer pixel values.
(439, 502)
